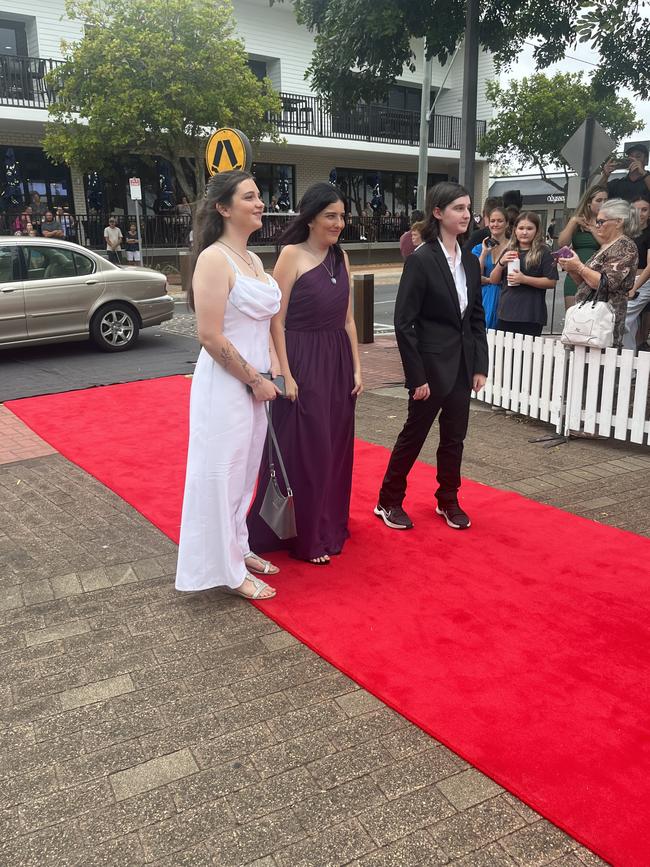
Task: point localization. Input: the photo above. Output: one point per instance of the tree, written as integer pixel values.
(361, 46)
(535, 117)
(153, 77)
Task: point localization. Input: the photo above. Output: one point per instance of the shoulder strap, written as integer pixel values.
(233, 264)
(273, 442)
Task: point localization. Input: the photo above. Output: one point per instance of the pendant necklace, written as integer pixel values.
(250, 261)
(332, 264)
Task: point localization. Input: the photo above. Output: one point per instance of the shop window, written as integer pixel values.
(276, 183)
(28, 173)
(398, 189)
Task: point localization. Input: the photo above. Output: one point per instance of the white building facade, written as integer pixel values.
(370, 144)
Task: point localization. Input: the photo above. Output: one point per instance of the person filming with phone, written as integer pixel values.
(636, 182)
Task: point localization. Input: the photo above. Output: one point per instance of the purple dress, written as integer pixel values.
(316, 432)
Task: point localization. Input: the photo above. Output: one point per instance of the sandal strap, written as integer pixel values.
(260, 586)
(265, 563)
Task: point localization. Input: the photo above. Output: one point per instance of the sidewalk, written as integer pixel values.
(143, 727)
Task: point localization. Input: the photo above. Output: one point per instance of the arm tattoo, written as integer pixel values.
(226, 356)
(245, 365)
(229, 354)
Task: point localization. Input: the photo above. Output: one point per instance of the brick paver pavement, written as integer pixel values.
(140, 726)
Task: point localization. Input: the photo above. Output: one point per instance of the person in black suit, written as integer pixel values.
(440, 329)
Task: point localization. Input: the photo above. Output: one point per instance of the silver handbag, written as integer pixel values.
(277, 510)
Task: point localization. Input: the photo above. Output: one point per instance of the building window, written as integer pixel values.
(404, 98)
(109, 192)
(258, 68)
(276, 183)
(29, 176)
(13, 38)
(398, 189)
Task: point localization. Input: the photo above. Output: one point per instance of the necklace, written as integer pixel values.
(332, 266)
(250, 261)
(329, 256)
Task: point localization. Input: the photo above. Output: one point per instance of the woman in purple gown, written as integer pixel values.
(316, 343)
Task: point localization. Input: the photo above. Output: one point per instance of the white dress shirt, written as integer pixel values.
(458, 274)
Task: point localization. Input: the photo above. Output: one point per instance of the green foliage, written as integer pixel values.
(154, 77)
(373, 38)
(535, 117)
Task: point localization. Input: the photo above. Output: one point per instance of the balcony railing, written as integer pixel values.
(308, 115)
(173, 231)
(22, 81)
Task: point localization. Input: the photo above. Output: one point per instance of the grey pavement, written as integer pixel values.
(142, 726)
(61, 367)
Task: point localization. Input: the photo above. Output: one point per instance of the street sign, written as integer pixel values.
(136, 189)
(227, 149)
(601, 147)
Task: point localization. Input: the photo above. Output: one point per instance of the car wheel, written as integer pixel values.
(114, 328)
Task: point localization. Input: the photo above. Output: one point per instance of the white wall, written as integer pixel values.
(272, 31)
(46, 24)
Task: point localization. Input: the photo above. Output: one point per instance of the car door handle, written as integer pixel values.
(90, 282)
(7, 288)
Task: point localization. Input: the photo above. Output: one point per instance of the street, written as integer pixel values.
(68, 366)
(164, 350)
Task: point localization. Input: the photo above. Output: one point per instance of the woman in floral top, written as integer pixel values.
(609, 272)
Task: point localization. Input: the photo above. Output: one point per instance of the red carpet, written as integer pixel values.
(524, 644)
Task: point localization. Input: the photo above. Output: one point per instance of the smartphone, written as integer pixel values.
(491, 242)
(562, 253)
(280, 383)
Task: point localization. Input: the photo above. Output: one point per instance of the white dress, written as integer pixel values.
(227, 433)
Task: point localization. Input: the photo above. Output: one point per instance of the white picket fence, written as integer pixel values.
(575, 389)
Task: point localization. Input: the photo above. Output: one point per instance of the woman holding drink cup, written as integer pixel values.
(525, 271)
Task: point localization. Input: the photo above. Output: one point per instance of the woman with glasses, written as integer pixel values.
(610, 272)
(580, 233)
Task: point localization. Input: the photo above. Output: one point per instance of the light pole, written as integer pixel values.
(470, 91)
(423, 157)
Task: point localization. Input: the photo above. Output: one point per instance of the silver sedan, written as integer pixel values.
(53, 291)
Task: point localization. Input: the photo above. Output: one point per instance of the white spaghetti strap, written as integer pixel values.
(233, 264)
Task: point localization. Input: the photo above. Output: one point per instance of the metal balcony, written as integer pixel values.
(309, 116)
(23, 84)
(22, 81)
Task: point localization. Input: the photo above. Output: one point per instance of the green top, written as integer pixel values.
(584, 245)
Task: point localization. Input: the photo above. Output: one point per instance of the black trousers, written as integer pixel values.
(454, 417)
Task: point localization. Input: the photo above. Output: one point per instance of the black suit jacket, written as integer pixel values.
(432, 336)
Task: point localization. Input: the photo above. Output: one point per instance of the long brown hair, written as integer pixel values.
(208, 224)
(583, 211)
(537, 247)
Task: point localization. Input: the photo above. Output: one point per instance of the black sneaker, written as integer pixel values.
(454, 516)
(394, 517)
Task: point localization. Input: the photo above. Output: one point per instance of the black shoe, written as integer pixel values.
(395, 517)
(454, 515)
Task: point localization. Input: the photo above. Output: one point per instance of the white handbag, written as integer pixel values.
(590, 323)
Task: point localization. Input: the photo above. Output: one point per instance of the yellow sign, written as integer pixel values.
(227, 149)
